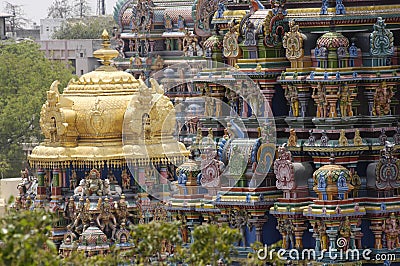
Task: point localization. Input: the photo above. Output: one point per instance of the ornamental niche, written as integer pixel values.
(381, 39)
(293, 43)
(230, 42)
(387, 169)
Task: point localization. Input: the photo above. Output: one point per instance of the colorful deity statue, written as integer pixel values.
(126, 180)
(73, 180)
(320, 230)
(345, 94)
(391, 229)
(382, 100)
(293, 100)
(94, 184)
(345, 232)
(320, 99)
(168, 23)
(340, 9)
(284, 170)
(324, 7)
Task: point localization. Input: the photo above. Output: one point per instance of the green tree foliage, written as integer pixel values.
(211, 243)
(24, 239)
(85, 28)
(152, 240)
(25, 76)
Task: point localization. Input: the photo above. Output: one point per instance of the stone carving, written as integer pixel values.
(293, 100)
(284, 170)
(230, 41)
(293, 42)
(387, 169)
(382, 99)
(381, 39)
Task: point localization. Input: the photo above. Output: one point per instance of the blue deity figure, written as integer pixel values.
(324, 7)
(220, 11)
(321, 181)
(182, 178)
(341, 182)
(181, 23)
(353, 51)
(340, 10)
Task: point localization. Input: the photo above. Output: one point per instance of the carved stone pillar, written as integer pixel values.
(298, 233)
(376, 228)
(41, 189)
(258, 224)
(268, 91)
(304, 95)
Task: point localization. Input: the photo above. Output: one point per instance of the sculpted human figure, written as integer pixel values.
(125, 179)
(94, 185)
(106, 220)
(392, 230)
(320, 99)
(344, 94)
(382, 100)
(83, 217)
(73, 180)
(293, 99)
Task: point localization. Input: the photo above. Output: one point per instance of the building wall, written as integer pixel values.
(2, 28)
(48, 26)
(77, 52)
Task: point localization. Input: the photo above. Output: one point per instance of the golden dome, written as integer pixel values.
(84, 125)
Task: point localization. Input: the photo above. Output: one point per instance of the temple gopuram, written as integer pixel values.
(280, 118)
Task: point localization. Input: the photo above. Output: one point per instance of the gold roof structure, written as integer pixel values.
(83, 126)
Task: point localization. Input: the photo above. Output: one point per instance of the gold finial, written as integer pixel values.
(106, 53)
